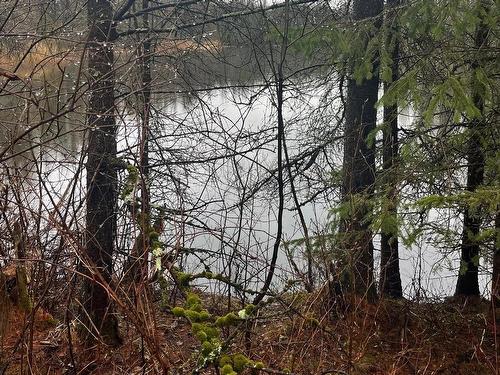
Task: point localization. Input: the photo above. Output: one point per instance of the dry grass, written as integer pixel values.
(45, 56)
(298, 335)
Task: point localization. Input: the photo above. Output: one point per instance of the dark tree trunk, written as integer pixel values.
(101, 177)
(136, 268)
(4, 311)
(495, 285)
(390, 278)
(359, 167)
(279, 84)
(145, 60)
(468, 283)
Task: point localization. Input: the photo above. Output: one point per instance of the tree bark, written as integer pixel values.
(145, 60)
(23, 299)
(4, 311)
(136, 267)
(468, 282)
(359, 167)
(495, 285)
(390, 278)
(98, 317)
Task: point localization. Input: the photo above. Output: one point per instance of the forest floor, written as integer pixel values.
(294, 335)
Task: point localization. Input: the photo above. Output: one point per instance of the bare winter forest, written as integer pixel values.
(249, 187)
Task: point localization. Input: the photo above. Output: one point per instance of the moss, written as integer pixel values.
(249, 309)
(227, 370)
(206, 348)
(142, 220)
(178, 311)
(225, 360)
(183, 278)
(193, 309)
(164, 293)
(193, 316)
(196, 327)
(258, 365)
(222, 278)
(205, 329)
(156, 244)
(207, 275)
(192, 300)
(130, 182)
(220, 322)
(227, 320)
(205, 315)
(202, 336)
(154, 236)
(212, 332)
(198, 308)
(24, 300)
(240, 362)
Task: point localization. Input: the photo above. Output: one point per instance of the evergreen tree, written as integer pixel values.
(359, 162)
(390, 278)
(468, 281)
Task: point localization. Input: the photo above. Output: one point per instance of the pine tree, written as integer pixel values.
(468, 281)
(390, 279)
(359, 163)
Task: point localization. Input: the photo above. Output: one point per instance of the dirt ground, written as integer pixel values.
(294, 335)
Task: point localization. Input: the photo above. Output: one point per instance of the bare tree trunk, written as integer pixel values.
(101, 177)
(4, 312)
(390, 278)
(136, 267)
(359, 167)
(279, 82)
(23, 297)
(468, 283)
(495, 285)
(145, 60)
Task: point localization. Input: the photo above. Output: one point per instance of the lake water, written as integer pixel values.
(213, 159)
